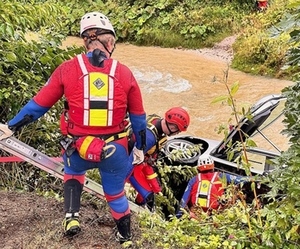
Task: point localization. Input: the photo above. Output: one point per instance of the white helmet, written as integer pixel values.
(205, 162)
(95, 20)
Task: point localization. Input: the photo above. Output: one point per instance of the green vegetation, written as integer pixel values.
(265, 54)
(268, 44)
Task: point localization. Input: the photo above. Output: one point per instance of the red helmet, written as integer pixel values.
(179, 117)
(205, 163)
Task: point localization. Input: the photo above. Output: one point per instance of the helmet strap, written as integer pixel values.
(110, 52)
(170, 132)
(98, 38)
(93, 36)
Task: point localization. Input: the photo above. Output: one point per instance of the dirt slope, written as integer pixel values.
(29, 221)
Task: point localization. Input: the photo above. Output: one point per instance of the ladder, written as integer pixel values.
(17, 148)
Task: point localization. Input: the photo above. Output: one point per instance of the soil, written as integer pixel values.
(29, 221)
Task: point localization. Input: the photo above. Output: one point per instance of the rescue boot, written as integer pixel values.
(72, 194)
(71, 224)
(123, 234)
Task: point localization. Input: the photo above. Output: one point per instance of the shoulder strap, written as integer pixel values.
(84, 70)
(150, 125)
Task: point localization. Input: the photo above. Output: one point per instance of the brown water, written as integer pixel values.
(171, 77)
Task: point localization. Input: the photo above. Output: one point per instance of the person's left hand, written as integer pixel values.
(5, 132)
(138, 156)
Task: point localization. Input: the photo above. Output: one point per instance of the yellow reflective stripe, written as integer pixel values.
(152, 150)
(162, 142)
(98, 91)
(85, 144)
(217, 182)
(120, 135)
(98, 86)
(98, 117)
(152, 176)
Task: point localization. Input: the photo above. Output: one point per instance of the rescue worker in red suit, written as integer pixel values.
(99, 93)
(143, 177)
(206, 188)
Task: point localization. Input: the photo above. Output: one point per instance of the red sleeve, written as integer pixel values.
(135, 102)
(52, 91)
(152, 178)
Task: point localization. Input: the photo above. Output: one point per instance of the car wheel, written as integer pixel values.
(187, 154)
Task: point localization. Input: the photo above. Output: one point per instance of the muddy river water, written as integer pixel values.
(174, 77)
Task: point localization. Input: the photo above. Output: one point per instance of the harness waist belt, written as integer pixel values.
(106, 138)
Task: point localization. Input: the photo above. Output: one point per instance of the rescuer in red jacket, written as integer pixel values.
(205, 190)
(99, 93)
(143, 176)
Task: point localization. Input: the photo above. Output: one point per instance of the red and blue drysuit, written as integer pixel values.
(143, 177)
(123, 97)
(205, 190)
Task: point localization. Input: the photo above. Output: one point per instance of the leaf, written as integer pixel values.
(219, 99)
(229, 102)
(234, 88)
(45, 59)
(251, 143)
(11, 57)
(10, 30)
